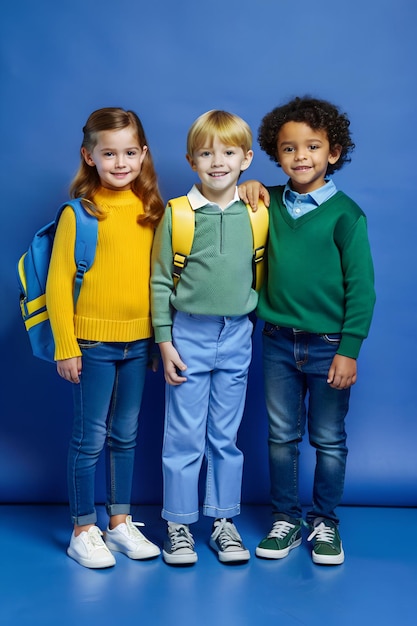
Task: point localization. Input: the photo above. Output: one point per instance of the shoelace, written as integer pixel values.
(323, 533)
(227, 535)
(132, 527)
(180, 537)
(95, 537)
(280, 529)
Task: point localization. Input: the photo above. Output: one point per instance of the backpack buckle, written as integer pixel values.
(81, 270)
(180, 261)
(258, 254)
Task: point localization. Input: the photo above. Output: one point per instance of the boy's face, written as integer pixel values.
(218, 167)
(304, 154)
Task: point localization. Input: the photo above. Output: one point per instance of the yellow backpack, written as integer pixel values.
(183, 236)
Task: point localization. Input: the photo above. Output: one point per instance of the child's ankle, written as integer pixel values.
(80, 529)
(115, 520)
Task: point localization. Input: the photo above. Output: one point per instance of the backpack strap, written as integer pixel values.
(182, 234)
(86, 231)
(259, 221)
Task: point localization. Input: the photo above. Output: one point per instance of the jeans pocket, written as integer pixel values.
(269, 329)
(333, 339)
(87, 344)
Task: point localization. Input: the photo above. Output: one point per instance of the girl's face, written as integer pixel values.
(118, 158)
(304, 154)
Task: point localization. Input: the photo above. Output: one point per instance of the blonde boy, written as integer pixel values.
(204, 334)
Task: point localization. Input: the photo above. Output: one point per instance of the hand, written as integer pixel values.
(153, 356)
(172, 364)
(153, 362)
(342, 373)
(70, 369)
(251, 191)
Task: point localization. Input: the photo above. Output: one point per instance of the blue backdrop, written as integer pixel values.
(170, 62)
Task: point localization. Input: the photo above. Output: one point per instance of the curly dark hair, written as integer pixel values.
(319, 115)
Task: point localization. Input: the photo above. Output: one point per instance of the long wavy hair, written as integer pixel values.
(86, 181)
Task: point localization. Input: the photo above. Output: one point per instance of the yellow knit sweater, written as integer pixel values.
(114, 299)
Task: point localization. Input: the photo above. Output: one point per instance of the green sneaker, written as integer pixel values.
(283, 537)
(327, 549)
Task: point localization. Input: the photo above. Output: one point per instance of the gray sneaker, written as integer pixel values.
(226, 541)
(179, 547)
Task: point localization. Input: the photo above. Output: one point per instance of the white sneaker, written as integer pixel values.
(89, 549)
(126, 538)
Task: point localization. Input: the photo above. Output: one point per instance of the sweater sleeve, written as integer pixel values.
(162, 284)
(59, 288)
(359, 288)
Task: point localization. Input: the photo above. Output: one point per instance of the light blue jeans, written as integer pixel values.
(203, 415)
(106, 409)
(296, 365)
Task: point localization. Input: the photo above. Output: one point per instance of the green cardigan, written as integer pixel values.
(320, 271)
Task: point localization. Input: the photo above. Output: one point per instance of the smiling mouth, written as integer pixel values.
(217, 174)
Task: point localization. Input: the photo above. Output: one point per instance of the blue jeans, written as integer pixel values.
(203, 415)
(106, 409)
(295, 363)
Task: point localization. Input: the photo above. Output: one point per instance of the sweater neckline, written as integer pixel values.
(110, 196)
(299, 221)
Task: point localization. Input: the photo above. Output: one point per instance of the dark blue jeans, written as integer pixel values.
(106, 408)
(296, 365)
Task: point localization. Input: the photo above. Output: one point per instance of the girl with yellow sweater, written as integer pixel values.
(103, 346)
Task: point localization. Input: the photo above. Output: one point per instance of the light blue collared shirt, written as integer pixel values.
(299, 204)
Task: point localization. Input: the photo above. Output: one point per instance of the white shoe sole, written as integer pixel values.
(230, 557)
(180, 559)
(327, 559)
(149, 551)
(101, 564)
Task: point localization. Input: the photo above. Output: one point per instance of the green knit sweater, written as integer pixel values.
(320, 272)
(218, 277)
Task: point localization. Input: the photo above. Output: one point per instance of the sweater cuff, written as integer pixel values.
(66, 347)
(350, 346)
(163, 333)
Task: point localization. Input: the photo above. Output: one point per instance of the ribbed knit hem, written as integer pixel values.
(112, 330)
(67, 348)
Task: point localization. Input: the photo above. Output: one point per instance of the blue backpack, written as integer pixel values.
(32, 272)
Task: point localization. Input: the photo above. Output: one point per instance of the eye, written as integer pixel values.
(288, 149)
(314, 147)
(108, 154)
(131, 153)
(229, 152)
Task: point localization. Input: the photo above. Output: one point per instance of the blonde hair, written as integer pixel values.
(87, 181)
(230, 129)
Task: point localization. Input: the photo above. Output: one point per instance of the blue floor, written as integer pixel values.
(377, 584)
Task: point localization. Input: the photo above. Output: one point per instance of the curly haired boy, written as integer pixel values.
(317, 305)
